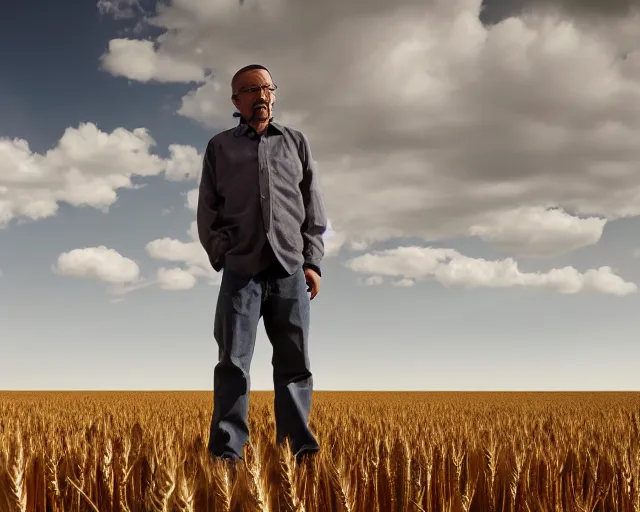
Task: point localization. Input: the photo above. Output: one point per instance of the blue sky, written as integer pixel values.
(480, 180)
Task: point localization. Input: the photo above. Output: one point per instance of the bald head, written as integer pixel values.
(237, 77)
(253, 94)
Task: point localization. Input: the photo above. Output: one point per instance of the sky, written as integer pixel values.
(478, 160)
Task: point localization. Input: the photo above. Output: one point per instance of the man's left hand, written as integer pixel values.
(313, 281)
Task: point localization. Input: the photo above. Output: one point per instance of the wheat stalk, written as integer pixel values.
(82, 493)
(16, 492)
(426, 458)
(286, 467)
(107, 471)
(222, 485)
(51, 477)
(185, 488)
(258, 488)
(163, 479)
(340, 486)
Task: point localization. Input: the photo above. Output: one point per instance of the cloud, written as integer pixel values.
(184, 163)
(371, 281)
(424, 122)
(138, 60)
(191, 254)
(332, 241)
(123, 274)
(192, 199)
(451, 268)
(85, 168)
(537, 232)
(590, 8)
(119, 9)
(101, 263)
(170, 249)
(175, 279)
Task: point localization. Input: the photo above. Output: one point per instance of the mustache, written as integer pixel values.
(261, 104)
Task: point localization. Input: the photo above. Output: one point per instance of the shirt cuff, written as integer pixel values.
(313, 267)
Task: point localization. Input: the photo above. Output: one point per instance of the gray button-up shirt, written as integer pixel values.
(260, 197)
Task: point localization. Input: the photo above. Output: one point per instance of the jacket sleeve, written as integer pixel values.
(315, 223)
(213, 237)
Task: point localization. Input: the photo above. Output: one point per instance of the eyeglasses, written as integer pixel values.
(256, 88)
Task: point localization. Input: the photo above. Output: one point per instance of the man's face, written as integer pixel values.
(254, 105)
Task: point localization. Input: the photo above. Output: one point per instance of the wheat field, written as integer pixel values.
(381, 452)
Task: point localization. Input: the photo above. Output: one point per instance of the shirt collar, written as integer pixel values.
(243, 127)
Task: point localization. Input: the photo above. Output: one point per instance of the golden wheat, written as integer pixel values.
(386, 452)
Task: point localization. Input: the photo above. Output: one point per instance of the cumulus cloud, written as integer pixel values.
(175, 279)
(123, 274)
(451, 268)
(535, 231)
(184, 163)
(426, 123)
(170, 249)
(101, 263)
(191, 254)
(85, 168)
(139, 60)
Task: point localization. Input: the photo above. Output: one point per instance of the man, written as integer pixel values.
(261, 218)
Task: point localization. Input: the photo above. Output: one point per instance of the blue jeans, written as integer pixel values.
(283, 304)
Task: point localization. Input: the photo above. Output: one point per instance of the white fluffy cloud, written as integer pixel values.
(184, 163)
(524, 133)
(99, 263)
(451, 268)
(169, 249)
(123, 274)
(86, 168)
(191, 254)
(538, 231)
(175, 279)
(143, 63)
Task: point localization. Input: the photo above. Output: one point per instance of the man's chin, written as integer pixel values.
(260, 115)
